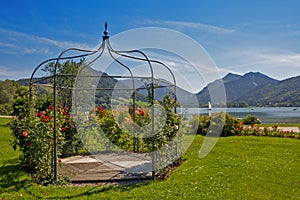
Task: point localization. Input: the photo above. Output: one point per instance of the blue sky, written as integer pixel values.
(240, 36)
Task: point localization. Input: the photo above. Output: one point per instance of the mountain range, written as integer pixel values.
(250, 89)
(255, 89)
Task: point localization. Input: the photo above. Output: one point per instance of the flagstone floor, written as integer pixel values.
(107, 167)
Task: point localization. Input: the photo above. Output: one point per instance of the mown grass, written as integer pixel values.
(237, 168)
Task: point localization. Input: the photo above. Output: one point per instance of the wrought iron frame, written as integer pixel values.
(100, 50)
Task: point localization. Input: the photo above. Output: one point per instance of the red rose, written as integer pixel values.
(63, 129)
(141, 112)
(46, 118)
(51, 107)
(25, 133)
(100, 108)
(39, 114)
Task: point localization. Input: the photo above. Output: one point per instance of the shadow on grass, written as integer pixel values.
(4, 123)
(94, 190)
(12, 177)
(3, 126)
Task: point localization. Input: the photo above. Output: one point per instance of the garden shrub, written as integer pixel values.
(249, 119)
(32, 129)
(202, 121)
(120, 133)
(231, 125)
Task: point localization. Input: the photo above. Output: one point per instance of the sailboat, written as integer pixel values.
(209, 106)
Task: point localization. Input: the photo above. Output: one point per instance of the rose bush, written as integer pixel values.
(237, 127)
(33, 129)
(129, 129)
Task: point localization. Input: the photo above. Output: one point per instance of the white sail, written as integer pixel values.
(209, 106)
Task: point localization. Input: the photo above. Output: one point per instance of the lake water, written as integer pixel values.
(265, 114)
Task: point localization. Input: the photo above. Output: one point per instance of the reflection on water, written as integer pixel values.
(265, 114)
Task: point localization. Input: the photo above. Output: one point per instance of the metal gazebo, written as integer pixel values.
(82, 90)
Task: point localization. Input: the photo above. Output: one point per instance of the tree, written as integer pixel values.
(9, 90)
(66, 72)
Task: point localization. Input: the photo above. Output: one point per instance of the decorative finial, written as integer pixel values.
(105, 36)
(105, 30)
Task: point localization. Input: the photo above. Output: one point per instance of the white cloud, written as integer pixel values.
(13, 42)
(279, 64)
(8, 73)
(282, 58)
(29, 50)
(193, 25)
(270, 56)
(3, 45)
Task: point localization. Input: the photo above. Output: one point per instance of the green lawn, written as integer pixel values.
(237, 168)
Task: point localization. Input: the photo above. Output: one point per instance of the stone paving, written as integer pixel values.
(107, 167)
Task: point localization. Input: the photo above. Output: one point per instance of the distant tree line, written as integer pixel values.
(9, 90)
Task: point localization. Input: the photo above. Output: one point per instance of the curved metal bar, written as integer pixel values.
(110, 50)
(101, 50)
(123, 65)
(154, 61)
(133, 51)
(152, 98)
(49, 60)
(100, 54)
(55, 105)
